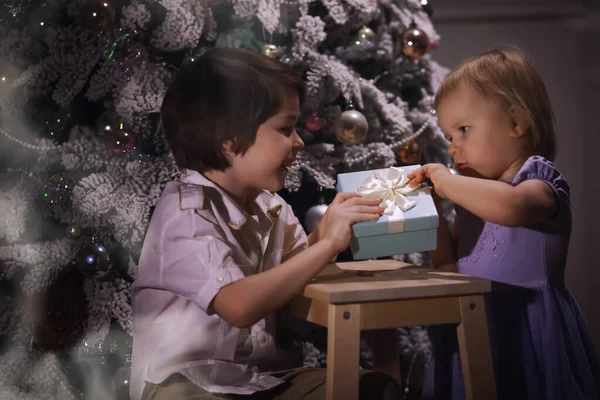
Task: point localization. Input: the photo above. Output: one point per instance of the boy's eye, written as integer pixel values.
(288, 131)
(463, 129)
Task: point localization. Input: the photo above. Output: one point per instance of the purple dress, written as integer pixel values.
(541, 347)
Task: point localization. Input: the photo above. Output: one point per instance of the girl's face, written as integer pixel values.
(264, 165)
(485, 140)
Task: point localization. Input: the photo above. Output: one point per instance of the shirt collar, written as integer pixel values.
(266, 201)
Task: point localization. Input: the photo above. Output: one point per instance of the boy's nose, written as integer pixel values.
(298, 142)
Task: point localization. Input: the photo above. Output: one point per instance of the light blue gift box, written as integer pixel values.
(387, 236)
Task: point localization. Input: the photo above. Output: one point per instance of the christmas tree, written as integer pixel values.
(84, 160)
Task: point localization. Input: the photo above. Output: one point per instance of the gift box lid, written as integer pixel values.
(422, 216)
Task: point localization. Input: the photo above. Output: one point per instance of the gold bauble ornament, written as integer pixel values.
(270, 50)
(74, 231)
(365, 34)
(410, 153)
(351, 127)
(414, 42)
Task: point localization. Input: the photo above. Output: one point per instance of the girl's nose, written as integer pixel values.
(453, 148)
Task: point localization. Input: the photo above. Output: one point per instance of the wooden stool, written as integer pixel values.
(379, 295)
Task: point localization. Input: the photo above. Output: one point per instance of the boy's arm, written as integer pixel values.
(238, 303)
(246, 301)
(313, 237)
(499, 202)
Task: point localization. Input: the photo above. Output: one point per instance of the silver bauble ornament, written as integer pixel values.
(313, 217)
(351, 127)
(94, 261)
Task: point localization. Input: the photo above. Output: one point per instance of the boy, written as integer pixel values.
(223, 252)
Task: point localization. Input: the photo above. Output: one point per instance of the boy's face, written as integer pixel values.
(263, 166)
(482, 133)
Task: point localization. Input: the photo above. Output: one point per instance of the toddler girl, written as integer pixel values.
(513, 224)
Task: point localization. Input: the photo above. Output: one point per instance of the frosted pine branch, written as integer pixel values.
(269, 13)
(336, 11)
(135, 16)
(245, 8)
(99, 296)
(16, 201)
(121, 306)
(390, 113)
(42, 261)
(77, 66)
(368, 156)
(181, 28)
(143, 93)
(106, 79)
(85, 150)
(317, 163)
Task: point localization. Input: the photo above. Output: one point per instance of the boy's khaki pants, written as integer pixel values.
(305, 383)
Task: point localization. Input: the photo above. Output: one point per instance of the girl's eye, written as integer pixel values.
(449, 138)
(463, 129)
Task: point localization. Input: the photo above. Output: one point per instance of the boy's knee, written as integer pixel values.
(378, 386)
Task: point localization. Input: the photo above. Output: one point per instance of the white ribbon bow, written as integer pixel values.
(390, 186)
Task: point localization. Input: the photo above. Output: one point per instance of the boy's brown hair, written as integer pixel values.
(506, 76)
(225, 95)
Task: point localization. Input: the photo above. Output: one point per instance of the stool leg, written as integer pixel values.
(343, 342)
(386, 354)
(475, 354)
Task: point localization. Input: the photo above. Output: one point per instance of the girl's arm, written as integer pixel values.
(498, 202)
(494, 201)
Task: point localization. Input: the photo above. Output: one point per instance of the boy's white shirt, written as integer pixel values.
(198, 241)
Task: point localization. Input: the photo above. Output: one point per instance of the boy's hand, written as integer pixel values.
(436, 173)
(345, 210)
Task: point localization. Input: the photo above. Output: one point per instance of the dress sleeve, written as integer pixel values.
(537, 167)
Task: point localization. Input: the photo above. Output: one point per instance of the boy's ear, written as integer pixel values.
(519, 121)
(228, 147)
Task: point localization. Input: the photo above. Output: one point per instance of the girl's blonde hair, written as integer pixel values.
(507, 77)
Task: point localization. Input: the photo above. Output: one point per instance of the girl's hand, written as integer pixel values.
(436, 173)
(345, 210)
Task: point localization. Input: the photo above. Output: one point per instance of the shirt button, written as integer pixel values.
(262, 338)
(220, 279)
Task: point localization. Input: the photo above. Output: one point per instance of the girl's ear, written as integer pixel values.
(520, 122)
